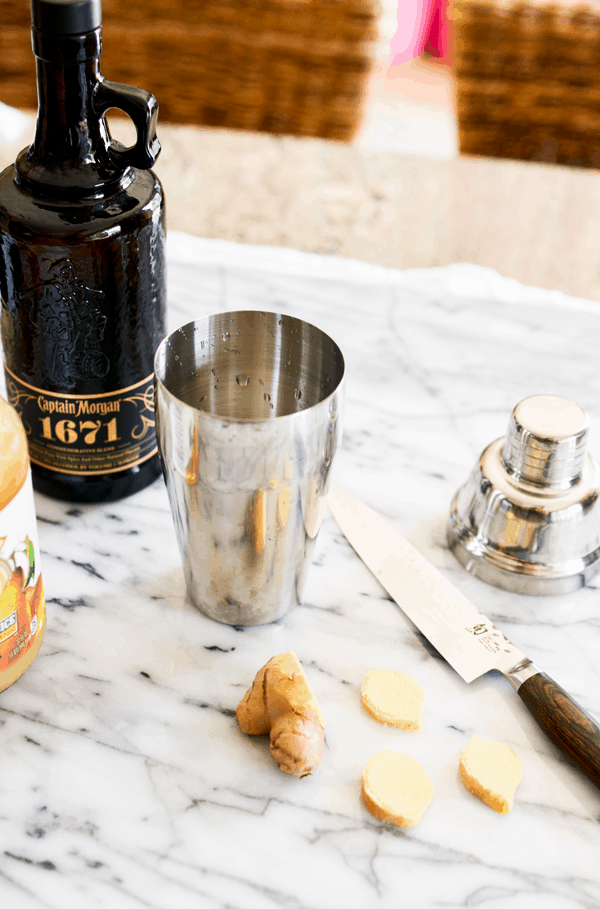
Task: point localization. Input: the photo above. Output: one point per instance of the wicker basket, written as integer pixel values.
(528, 79)
(284, 66)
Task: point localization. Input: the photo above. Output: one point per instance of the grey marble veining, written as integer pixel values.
(124, 780)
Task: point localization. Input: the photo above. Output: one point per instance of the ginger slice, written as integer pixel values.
(395, 788)
(491, 771)
(282, 703)
(393, 697)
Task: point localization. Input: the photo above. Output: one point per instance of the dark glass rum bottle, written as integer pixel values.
(82, 270)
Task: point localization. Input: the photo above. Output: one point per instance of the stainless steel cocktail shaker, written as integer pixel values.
(528, 517)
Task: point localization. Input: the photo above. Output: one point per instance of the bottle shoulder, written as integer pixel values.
(139, 198)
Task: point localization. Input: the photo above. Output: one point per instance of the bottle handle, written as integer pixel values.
(142, 107)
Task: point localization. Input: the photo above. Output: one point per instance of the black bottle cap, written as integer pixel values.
(66, 17)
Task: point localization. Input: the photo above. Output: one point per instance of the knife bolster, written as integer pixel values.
(521, 672)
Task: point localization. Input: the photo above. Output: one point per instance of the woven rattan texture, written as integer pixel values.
(286, 66)
(528, 80)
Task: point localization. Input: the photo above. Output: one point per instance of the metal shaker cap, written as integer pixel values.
(546, 442)
(528, 517)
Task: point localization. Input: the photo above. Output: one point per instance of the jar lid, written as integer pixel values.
(66, 17)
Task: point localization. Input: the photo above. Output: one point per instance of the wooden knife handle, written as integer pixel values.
(564, 721)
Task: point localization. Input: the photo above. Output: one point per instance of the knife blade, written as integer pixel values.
(465, 637)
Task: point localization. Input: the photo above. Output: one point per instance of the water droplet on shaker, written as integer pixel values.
(242, 380)
(297, 394)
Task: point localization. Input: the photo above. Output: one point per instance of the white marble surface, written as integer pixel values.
(124, 780)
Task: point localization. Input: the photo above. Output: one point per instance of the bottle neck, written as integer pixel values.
(69, 153)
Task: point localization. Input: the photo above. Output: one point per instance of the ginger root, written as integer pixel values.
(393, 697)
(395, 788)
(491, 771)
(282, 703)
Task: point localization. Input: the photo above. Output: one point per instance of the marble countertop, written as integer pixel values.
(125, 781)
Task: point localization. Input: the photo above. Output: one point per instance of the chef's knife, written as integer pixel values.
(459, 632)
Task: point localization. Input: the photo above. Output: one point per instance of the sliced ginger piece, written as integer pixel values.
(395, 788)
(491, 771)
(281, 702)
(393, 697)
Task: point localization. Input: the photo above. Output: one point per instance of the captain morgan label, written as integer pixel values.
(86, 434)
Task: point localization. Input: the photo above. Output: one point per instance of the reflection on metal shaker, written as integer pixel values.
(249, 418)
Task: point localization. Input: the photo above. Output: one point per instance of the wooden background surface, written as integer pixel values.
(527, 79)
(283, 66)
(538, 223)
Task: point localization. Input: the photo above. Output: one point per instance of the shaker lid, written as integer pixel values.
(528, 517)
(546, 442)
(66, 17)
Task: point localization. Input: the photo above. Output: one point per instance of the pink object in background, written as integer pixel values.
(423, 25)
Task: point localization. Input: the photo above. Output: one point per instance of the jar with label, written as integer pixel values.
(22, 603)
